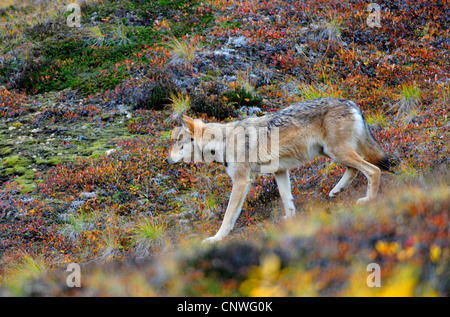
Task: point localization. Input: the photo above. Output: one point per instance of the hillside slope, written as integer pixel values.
(85, 121)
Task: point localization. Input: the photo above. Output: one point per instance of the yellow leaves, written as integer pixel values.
(270, 280)
(390, 249)
(263, 280)
(393, 248)
(435, 252)
(401, 284)
(406, 254)
(270, 266)
(386, 248)
(401, 281)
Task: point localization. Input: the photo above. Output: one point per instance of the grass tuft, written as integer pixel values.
(148, 233)
(410, 96)
(27, 268)
(182, 52)
(180, 104)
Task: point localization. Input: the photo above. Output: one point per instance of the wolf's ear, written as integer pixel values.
(189, 122)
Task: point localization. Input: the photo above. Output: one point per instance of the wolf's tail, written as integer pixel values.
(372, 150)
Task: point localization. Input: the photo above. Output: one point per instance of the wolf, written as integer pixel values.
(280, 141)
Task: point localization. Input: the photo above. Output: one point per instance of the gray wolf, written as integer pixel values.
(281, 141)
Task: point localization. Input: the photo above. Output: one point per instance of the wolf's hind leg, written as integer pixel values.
(346, 155)
(345, 181)
(284, 187)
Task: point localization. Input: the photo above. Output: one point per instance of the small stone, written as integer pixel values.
(109, 152)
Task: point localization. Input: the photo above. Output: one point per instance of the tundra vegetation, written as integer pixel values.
(85, 120)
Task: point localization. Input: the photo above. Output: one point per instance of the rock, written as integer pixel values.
(225, 53)
(237, 41)
(250, 110)
(109, 152)
(123, 109)
(88, 195)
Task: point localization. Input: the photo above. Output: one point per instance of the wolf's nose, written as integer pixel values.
(166, 160)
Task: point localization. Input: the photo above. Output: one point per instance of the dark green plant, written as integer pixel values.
(241, 97)
(152, 94)
(209, 100)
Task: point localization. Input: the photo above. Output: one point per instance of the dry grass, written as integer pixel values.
(330, 29)
(13, 25)
(316, 91)
(180, 104)
(18, 273)
(148, 233)
(182, 51)
(410, 96)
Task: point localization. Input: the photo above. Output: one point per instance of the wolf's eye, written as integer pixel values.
(213, 152)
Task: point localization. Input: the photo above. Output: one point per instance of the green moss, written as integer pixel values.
(97, 153)
(10, 160)
(54, 161)
(29, 175)
(26, 188)
(16, 161)
(8, 171)
(41, 161)
(6, 151)
(20, 170)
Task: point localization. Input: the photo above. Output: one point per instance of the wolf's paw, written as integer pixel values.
(211, 240)
(288, 216)
(363, 200)
(335, 192)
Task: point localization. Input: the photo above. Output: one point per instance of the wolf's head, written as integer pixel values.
(183, 147)
(196, 141)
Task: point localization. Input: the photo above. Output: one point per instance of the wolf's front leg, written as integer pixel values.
(284, 187)
(238, 193)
